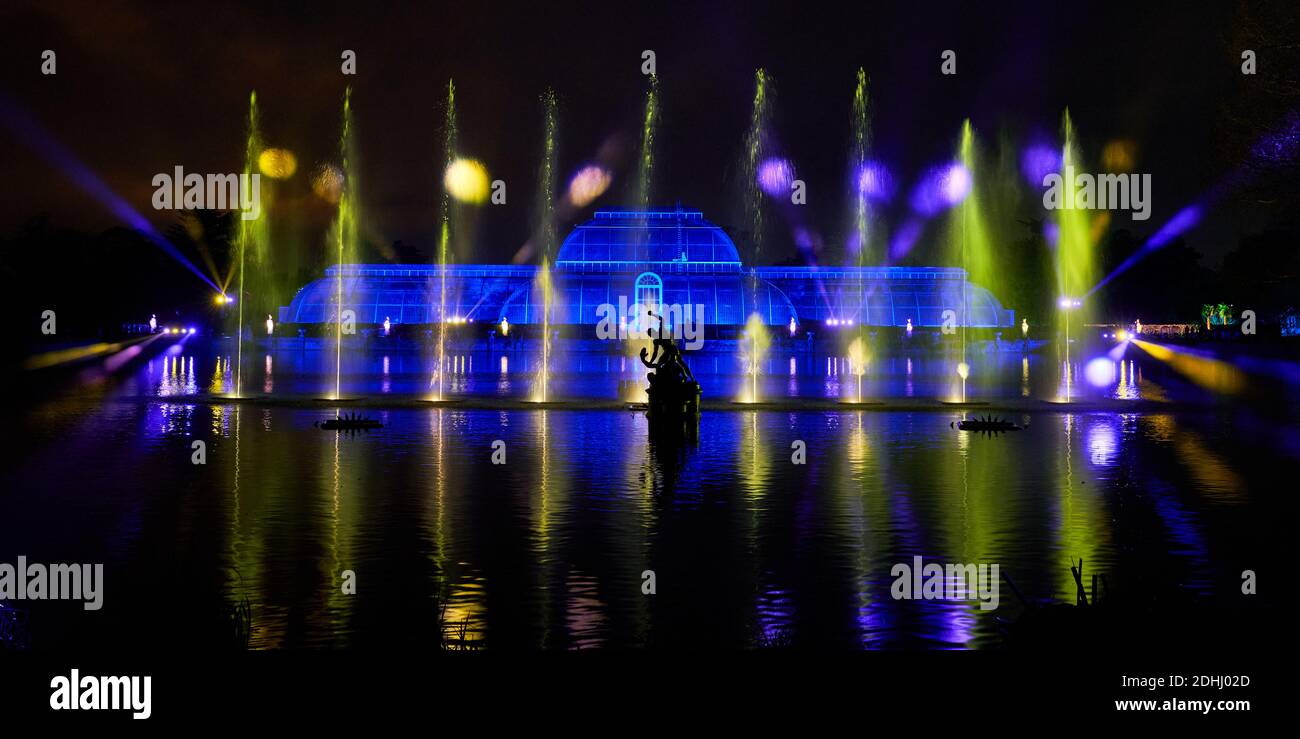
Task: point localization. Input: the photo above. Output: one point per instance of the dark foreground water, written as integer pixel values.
(548, 549)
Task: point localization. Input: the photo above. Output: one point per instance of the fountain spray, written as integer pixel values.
(546, 232)
(755, 331)
(637, 340)
(969, 238)
(251, 147)
(1075, 261)
(861, 132)
(346, 234)
(645, 160)
(444, 233)
(252, 233)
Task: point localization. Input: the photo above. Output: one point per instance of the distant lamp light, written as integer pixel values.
(1137, 326)
(909, 327)
(505, 326)
(794, 326)
(388, 326)
(191, 329)
(963, 370)
(270, 325)
(1024, 327)
(1068, 303)
(1122, 335)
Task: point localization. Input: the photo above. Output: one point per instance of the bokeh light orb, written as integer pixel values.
(1039, 160)
(588, 184)
(956, 184)
(941, 188)
(1118, 155)
(278, 164)
(327, 183)
(466, 180)
(875, 182)
(1100, 372)
(775, 176)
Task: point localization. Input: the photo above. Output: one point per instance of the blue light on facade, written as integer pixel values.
(675, 254)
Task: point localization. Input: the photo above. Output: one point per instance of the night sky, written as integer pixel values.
(143, 88)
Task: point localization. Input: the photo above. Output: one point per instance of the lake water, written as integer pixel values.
(548, 550)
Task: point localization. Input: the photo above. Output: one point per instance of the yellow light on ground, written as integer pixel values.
(277, 164)
(467, 181)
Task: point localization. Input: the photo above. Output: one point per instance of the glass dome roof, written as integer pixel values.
(615, 237)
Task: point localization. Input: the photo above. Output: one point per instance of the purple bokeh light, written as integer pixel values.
(1039, 160)
(875, 182)
(904, 239)
(943, 187)
(1100, 372)
(775, 176)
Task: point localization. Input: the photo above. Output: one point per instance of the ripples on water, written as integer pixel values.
(548, 549)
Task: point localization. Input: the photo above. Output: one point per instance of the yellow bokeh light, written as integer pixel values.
(277, 164)
(1119, 154)
(467, 181)
(328, 183)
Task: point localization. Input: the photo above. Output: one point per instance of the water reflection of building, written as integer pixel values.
(670, 257)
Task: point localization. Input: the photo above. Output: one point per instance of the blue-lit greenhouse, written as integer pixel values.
(672, 257)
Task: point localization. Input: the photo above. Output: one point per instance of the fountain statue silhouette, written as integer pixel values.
(674, 394)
